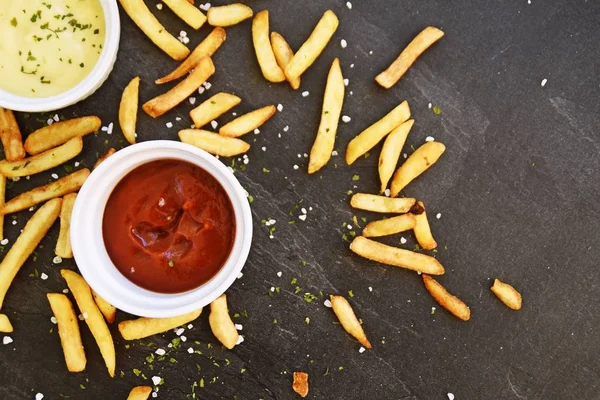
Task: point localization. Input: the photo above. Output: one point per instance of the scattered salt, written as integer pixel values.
(279, 107)
(305, 93)
(429, 139)
(346, 118)
(343, 43)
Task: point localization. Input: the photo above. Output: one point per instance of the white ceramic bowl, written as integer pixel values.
(88, 243)
(89, 84)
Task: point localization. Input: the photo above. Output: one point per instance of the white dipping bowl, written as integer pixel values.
(88, 242)
(89, 84)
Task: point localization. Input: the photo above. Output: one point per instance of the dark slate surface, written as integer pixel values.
(517, 191)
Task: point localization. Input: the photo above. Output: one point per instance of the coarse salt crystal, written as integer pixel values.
(349, 226)
(183, 338)
(207, 85)
(438, 215)
(39, 396)
(256, 131)
(370, 289)
(109, 130)
(450, 395)
(179, 331)
(183, 33)
(50, 121)
(303, 210)
(43, 276)
(343, 43)
(201, 89)
(272, 289)
(272, 221)
(160, 352)
(159, 6)
(6, 340)
(302, 217)
(346, 118)
(351, 65)
(334, 153)
(192, 100)
(544, 82)
(346, 82)
(349, 5)
(264, 148)
(403, 240)
(56, 118)
(327, 303)
(55, 176)
(370, 52)
(240, 275)
(154, 394)
(14, 222)
(296, 167)
(234, 114)
(214, 124)
(405, 155)
(177, 118)
(429, 105)
(156, 380)
(169, 124)
(286, 128)
(310, 208)
(429, 139)
(387, 192)
(240, 340)
(205, 6)
(305, 155)
(239, 327)
(4, 242)
(361, 350)
(53, 320)
(305, 93)
(104, 128)
(299, 155)
(190, 350)
(279, 274)
(279, 107)
(190, 326)
(65, 291)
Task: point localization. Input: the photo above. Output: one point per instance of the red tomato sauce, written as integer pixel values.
(168, 226)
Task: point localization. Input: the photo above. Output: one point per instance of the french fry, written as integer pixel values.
(104, 156)
(33, 233)
(248, 122)
(63, 244)
(65, 185)
(451, 303)
(143, 18)
(42, 161)
(128, 109)
(60, 133)
(390, 152)
(10, 135)
(422, 229)
(221, 324)
(419, 44)
(396, 257)
(314, 45)
(144, 327)
(187, 12)
(368, 138)
(214, 107)
(108, 310)
(283, 55)
(229, 15)
(381, 204)
(350, 323)
(214, 143)
(262, 46)
(389, 226)
(333, 101)
(300, 384)
(507, 294)
(166, 101)
(417, 163)
(2, 201)
(68, 330)
(5, 325)
(140, 392)
(92, 316)
(206, 48)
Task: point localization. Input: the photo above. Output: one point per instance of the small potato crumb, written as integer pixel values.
(300, 384)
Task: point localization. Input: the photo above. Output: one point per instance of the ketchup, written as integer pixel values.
(168, 226)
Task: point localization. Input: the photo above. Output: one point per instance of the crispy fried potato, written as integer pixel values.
(221, 324)
(417, 163)
(229, 15)
(390, 152)
(128, 109)
(314, 45)
(144, 327)
(140, 392)
(34, 231)
(43, 161)
(5, 325)
(422, 229)
(507, 294)
(262, 46)
(451, 303)
(350, 323)
(206, 48)
(214, 107)
(283, 55)
(68, 330)
(381, 204)
(92, 316)
(214, 143)
(248, 122)
(108, 310)
(187, 12)
(368, 138)
(68, 184)
(104, 156)
(389, 226)
(143, 18)
(166, 101)
(419, 44)
(10, 135)
(333, 101)
(63, 244)
(59, 133)
(396, 257)
(300, 384)
(2, 201)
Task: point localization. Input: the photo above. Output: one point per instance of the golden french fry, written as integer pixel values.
(187, 12)
(42, 161)
(68, 330)
(206, 48)
(419, 44)
(143, 18)
(390, 152)
(214, 143)
(5, 325)
(92, 316)
(68, 184)
(128, 109)
(166, 101)
(59, 133)
(507, 294)
(247, 122)
(300, 384)
(368, 138)
(10, 135)
(33, 233)
(422, 229)
(333, 101)
(350, 323)
(262, 46)
(221, 324)
(144, 327)
(228, 15)
(396, 257)
(451, 303)
(314, 45)
(214, 107)
(63, 244)
(389, 226)
(140, 392)
(104, 156)
(417, 163)
(108, 310)
(381, 204)
(283, 55)
(2, 201)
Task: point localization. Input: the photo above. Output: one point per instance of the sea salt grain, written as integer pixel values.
(179, 331)
(346, 82)
(361, 350)
(156, 380)
(39, 396)
(201, 89)
(160, 352)
(169, 124)
(403, 240)
(4, 242)
(264, 148)
(343, 43)
(450, 395)
(346, 118)
(544, 82)
(429, 139)
(349, 5)
(240, 340)
(286, 128)
(327, 303)
(6, 340)
(279, 107)
(438, 215)
(159, 6)
(296, 167)
(302, 217)
(279, 274)
(190, 326)
(44, 276)
(204, 7)
(53, 320)
(183, 338)
(239, 327)
(305, 93)
(50, 121)
(387, 192)
(190, 350)
(192, 100)
(14, 222)
(214, 124)
(55, 176)
(109, 130)
(154, 394)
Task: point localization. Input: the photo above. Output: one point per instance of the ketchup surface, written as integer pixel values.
(168, 226)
